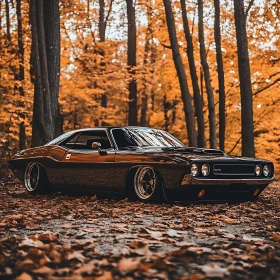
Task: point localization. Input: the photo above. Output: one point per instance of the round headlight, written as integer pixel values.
(205, 169)
(194, 169)
(258, 170)
(266, 170)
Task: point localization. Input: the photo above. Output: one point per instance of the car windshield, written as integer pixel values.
(60, 138)
(144, 137)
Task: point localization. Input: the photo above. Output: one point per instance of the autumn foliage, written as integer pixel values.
(96, 76)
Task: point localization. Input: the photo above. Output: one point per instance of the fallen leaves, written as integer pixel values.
(87, 238)
(127, 265)
(214, 270)
(77, 255)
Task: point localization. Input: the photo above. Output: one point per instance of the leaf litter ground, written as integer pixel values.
(87, 237)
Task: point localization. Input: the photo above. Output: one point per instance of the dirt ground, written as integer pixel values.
(87, 237)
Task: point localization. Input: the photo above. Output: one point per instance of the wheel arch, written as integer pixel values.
(40, 164)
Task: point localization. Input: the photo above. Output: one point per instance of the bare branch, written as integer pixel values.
(109, 12)
(251, 3)
(266, 87)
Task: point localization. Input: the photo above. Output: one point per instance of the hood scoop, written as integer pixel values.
(202, 151)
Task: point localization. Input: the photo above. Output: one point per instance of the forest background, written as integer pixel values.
(206, 71)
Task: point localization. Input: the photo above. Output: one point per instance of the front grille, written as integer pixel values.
(234, 169)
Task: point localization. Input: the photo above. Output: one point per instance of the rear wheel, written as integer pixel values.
(147, 185)
(35, 179)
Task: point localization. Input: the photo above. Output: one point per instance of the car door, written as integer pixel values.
(84, 167)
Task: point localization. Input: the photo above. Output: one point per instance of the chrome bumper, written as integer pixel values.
(190, 180)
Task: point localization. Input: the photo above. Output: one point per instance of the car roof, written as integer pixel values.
(109, 127)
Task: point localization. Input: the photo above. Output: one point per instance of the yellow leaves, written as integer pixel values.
(276, 237)
(128, 265)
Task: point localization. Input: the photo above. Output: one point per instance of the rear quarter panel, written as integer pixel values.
(48, 156)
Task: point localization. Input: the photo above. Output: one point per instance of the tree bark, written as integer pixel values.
(20, 75)
(131, 62)
(102, 32)
(147, 50)
(166, 107)
(186, 97)
(7, 7)
(220, 70)
(20, 47)
(196, 91)
(101, 23)
(248, 148)
(207, 78)
(44, 16)
(52, 41)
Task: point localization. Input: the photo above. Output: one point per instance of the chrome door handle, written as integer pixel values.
(68, 156)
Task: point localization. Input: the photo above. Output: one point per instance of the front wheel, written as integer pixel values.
(147, 185)
(35, 179)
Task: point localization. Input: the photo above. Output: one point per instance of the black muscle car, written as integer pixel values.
(143, 163)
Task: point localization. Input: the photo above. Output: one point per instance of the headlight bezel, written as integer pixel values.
(266, 173)
(194, 165)
(202, 169)
(259, 170)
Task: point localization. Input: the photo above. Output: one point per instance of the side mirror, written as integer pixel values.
(96, 145)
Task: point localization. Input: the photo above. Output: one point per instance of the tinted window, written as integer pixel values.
(70, 142)
(60, 138)
(86, 139)
(142, 137)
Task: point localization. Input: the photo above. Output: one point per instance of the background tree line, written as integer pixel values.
(206, 71)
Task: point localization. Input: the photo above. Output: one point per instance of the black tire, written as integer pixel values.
(36, 180)
(147, 186)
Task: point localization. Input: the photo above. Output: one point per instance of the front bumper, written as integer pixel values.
(216, 190)
(191, 180)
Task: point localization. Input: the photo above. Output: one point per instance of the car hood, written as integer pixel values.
(196, 154)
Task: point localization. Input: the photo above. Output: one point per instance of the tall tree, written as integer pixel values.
(147, 54)
(20, 74)
(196, 92)
(7, 7)
(186, 97)
(101, 23)
(248, 148)
(220, 70)
(131, 62)
(45, 21)
(207, 78)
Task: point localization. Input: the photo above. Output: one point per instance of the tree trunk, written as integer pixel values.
(131, 62)
(220, 70)
(101, 23)
(20, 75)
(207, 78)
(52, 41)
(20, 47)
(44, 16)
(248, 148)
(8, 19)
(102, 32)
(147, 50)
(22, 136)
(166, 107)
(196, 91)
(186, 97)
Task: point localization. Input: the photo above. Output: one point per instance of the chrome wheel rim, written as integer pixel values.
(31, 177)
(145, 182)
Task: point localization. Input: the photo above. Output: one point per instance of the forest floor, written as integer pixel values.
(87, 237)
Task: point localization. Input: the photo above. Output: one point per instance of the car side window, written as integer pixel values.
(86, 139)
(70, 142)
